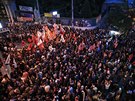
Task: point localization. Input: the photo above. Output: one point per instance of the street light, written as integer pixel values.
(54, 13)
(37, 4)
(38, 9)
(72, 6)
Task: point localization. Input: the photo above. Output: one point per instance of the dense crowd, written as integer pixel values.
(89, 65)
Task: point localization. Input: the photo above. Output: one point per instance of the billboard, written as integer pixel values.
(48, 15)
(26, 8)
(22, 14)
(23, 19)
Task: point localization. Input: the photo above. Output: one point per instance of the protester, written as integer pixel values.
(72, 65)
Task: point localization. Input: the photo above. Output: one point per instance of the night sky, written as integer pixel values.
(82, 8)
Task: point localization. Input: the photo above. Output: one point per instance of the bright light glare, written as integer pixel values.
(55, 13)
(1, 25)
(114, 33)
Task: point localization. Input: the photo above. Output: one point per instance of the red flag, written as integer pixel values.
(115, 44)
(92, 47)
(23, 43)
(46, 39)
(54, 35)
(62, 31)
(81, 46)
(133, 63)
(48, 33)
(29, 40)
(24, 76)
(41, 46)
(130, 57)
(74, 37)
(30, 46)
(55, 29)
(34, 39)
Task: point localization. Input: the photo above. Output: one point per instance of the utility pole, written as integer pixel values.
(38, 9)
(37, 4)
(72, 6)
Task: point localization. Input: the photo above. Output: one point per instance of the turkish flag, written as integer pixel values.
(62, 31)
(29, 40)
(34, 39)
(30, 46)
(41, 46)
(115, 44)
(130, 57)
(24, 76)
(23, 43)
(133, 63)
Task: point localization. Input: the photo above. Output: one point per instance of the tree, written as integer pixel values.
(118, 18)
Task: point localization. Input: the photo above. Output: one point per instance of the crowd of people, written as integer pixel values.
(74, 65)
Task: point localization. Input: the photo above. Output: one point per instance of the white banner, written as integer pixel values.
(2, 30)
